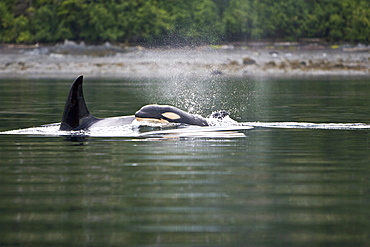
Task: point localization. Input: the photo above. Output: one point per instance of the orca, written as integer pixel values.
(76, 115)
(168, 114)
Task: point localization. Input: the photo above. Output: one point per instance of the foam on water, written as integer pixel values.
(225, 127)
(306, 125)
(218, 128)
(226, 121)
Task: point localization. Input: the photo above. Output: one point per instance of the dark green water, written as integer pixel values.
(274, 187)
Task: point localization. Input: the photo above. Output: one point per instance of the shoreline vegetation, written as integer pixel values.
(184, 38)
(163, 22)
(255, 59)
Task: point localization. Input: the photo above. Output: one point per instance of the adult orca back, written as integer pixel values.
(76, 115)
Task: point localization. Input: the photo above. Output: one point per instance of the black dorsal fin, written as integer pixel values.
(76, 116)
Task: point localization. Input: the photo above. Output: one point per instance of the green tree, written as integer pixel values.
(45, 23)
(14, 28)
(180, 19)
(6, 23)
(183, 21)
(99, 24)
(151, 20)
(205, 22)
(358, 25)
(73, 16)
(21, 30)
(237, 20)
(139, 20)
(192, 21)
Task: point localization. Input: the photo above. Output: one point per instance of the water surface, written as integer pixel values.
(273, 187)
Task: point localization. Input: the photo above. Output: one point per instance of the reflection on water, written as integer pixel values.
(273, 187)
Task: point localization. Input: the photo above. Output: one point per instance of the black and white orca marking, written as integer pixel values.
(76, 115)
(168, 114)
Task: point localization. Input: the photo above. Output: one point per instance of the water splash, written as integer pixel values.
(226, 121)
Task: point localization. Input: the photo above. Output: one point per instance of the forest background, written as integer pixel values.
(169, 22)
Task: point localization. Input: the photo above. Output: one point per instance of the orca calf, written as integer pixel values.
(168, 114)
(76, 115)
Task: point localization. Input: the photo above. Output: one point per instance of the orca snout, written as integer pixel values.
(147, 112)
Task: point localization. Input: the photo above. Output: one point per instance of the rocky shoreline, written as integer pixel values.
(273, 61)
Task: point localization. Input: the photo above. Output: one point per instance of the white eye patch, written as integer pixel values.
(171, 115)
(151, 120)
